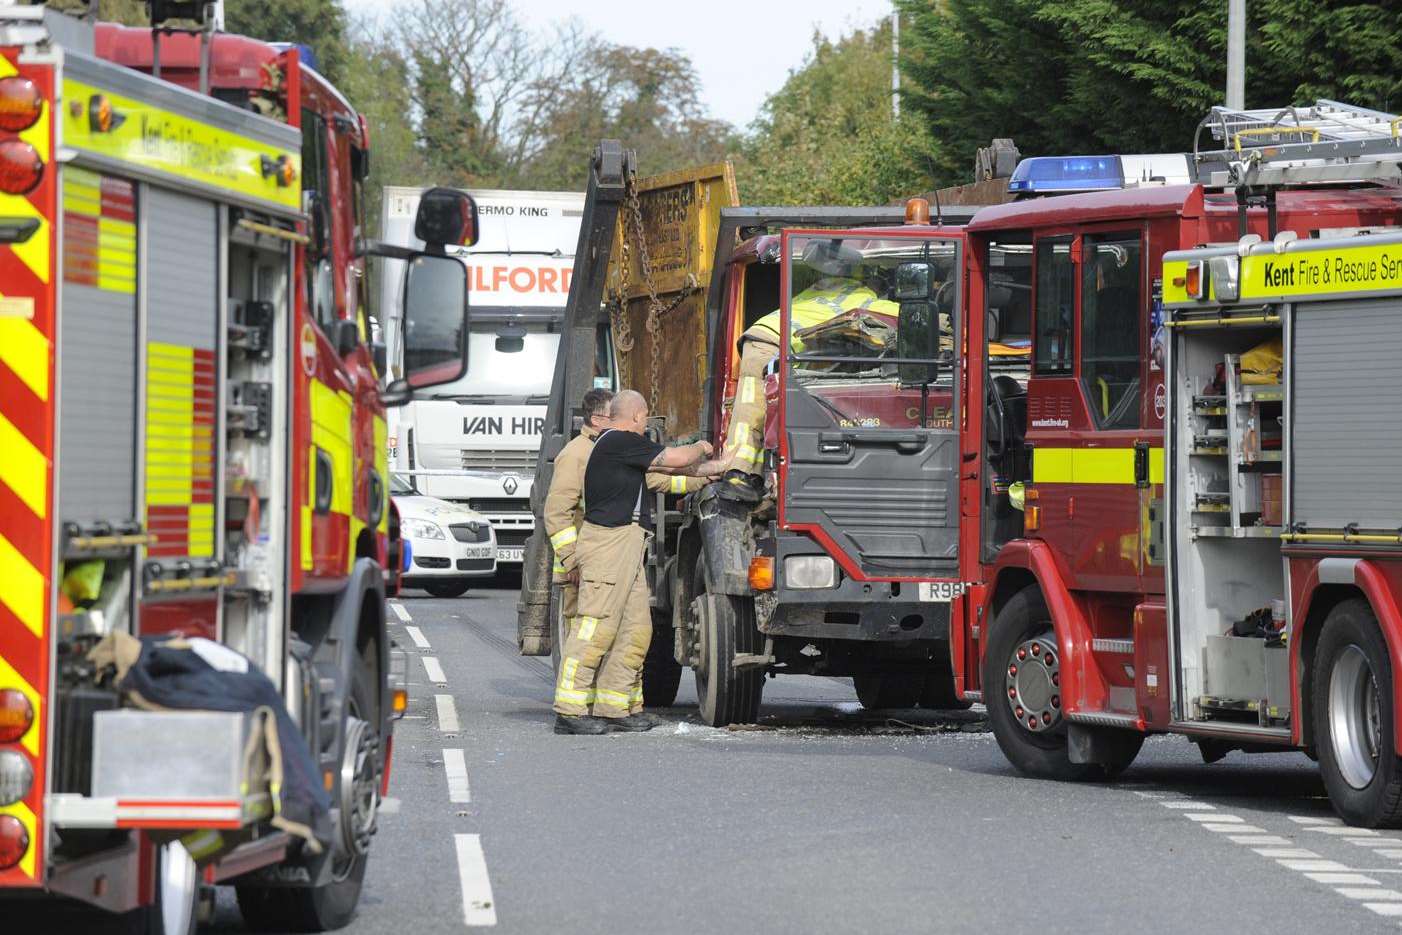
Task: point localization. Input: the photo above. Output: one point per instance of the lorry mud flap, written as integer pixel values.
(725, 542)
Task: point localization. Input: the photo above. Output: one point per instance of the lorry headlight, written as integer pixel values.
(16, 776)
(422, 529)
(810, 571)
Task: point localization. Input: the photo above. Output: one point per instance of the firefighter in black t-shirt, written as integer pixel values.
(600, 686)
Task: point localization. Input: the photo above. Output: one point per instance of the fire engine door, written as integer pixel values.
(869, 404)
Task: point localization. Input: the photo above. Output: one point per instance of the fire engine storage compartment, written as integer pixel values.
(1226, 452)
(258, 285)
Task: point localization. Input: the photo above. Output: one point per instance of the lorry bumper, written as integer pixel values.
(857, 610)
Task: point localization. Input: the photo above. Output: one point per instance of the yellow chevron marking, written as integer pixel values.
(23, 590)
(25, 350)
(23, 469)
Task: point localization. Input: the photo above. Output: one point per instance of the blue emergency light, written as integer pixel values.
(304, 52)
(1040, 175)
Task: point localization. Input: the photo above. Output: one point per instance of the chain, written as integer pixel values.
(654, 304)
(618, 313)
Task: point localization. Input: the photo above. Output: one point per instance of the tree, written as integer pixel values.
(1065, 76)
(126, 12)
(318, 24)
(828, 136)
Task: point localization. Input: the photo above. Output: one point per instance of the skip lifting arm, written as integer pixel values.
(609, 170)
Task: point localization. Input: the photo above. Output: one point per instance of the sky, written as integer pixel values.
(742, 49)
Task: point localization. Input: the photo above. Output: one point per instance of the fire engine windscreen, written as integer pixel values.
(867, 316)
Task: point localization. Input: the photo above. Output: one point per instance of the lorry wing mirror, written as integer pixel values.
(995, 324)
(380, 356)
(912, 282)
(435, 320)
(446, 216)
(345, 335)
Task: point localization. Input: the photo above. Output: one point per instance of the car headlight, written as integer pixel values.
(423, 529)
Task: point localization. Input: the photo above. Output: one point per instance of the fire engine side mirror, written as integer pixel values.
(918, 322)
(435, 321)
(446, 216)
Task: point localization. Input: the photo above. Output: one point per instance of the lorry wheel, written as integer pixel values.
(331, 905)
(1353, 718)
(727, 695)
(446, 588)
(175, 910)
(882, 690)
(1023, 665)
(937, 690)
(662, 675)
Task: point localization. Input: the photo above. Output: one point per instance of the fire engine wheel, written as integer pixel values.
(331, 905)
(884, 690)
(1023, 663)
(450, 588)
(662, 674)
(1354, 717)
(175, 910)
(727, 695)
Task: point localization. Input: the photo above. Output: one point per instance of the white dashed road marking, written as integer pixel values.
(434, 670)
(447, 714)
(1352, 883)
(455, 765)
(418, 637)
(477, 905)
(400, 612)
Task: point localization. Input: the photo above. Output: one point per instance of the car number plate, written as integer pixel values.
(510, 555)
(941, 591)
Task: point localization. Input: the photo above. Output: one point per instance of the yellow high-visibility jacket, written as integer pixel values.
(564, 503)
(825, 299)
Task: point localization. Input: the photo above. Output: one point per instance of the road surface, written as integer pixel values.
(827, 819)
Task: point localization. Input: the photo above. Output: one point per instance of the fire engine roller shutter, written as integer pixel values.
(1347, 428)
(182, 275)
(97, 399)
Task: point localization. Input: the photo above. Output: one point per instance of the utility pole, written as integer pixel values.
(1236, 54)
(896, 65)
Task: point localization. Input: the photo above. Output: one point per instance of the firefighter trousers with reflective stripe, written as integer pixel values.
(601, 668)
(745, 440)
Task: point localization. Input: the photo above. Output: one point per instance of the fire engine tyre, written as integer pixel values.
(727, 695)
(332, 904)
(175, 911)
(1353, 718)
(884, 690)
(451, 588)
(662, 675)
(1042, 754)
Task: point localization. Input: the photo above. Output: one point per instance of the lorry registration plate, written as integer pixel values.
(941, 591)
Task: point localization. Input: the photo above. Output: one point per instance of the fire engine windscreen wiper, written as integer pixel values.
(466, 397)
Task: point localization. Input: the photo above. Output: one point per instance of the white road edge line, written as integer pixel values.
(447, 714)
(455, 765)
(400, 612)
(434, 670)
(478, 908)
(418, 637)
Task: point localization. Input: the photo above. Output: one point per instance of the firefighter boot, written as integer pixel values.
(580, 724)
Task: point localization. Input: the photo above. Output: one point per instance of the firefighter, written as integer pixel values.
(834, 294)
(564, 503)
(600, 682)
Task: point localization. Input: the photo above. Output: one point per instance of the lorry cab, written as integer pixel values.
(1064, 499)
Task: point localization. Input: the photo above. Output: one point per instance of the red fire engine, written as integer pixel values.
(1243, 588)
(194, 444)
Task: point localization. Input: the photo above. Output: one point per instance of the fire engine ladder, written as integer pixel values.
(1326, 142)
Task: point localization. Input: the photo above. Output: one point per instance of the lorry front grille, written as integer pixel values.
(507, 460)
(500, 504)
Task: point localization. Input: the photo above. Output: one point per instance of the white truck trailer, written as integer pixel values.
(476, 441)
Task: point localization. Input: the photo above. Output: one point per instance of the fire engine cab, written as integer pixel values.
(192, 461)
(1187, 518)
